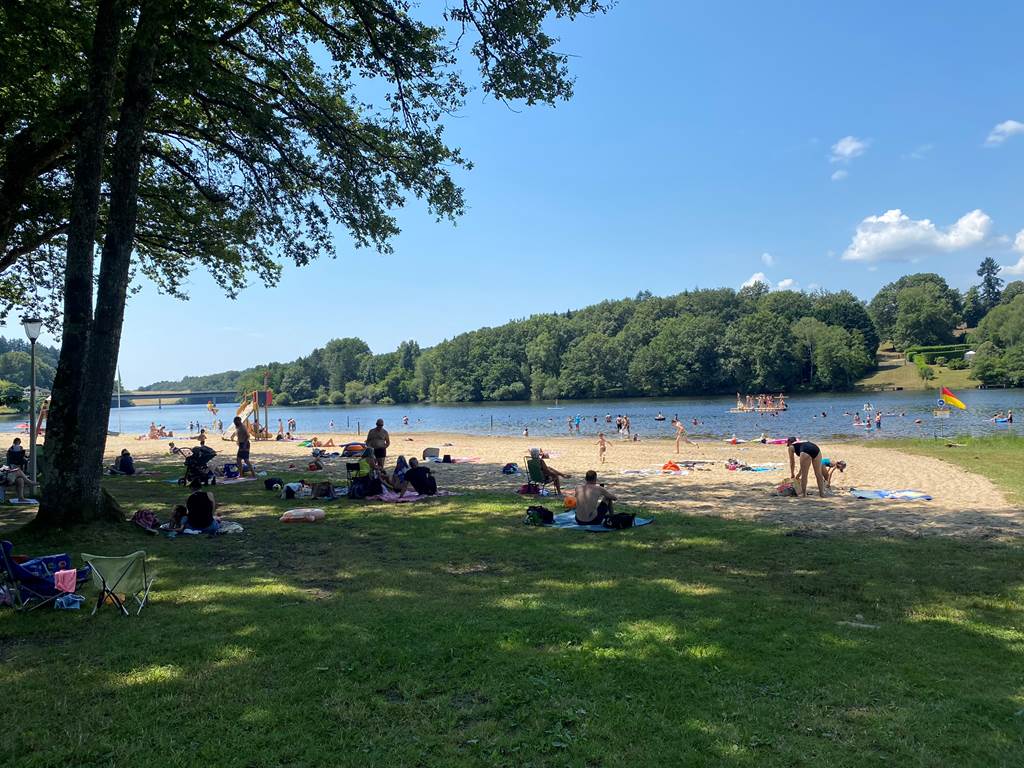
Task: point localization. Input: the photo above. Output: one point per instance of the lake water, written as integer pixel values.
(804, 417)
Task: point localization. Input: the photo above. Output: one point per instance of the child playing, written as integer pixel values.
(602, 446)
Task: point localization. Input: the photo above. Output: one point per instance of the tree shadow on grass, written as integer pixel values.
(446, 633)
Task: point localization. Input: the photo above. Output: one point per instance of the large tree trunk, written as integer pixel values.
(66, 497)
(115, 264)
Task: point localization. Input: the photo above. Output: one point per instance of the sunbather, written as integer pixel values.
(318, 443)
(593, 501)
(552, 475)
(420, 478)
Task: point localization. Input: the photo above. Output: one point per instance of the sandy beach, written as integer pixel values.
(963, 504)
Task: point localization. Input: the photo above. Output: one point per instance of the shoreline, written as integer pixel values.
(964, 504)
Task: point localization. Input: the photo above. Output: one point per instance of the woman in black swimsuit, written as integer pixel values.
(810, 456)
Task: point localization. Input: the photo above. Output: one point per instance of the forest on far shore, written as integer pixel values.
(710, 341)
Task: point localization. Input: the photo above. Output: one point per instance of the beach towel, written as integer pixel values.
(883, 494)
(228, 527)
(567, 520)
(66, 581)
(649, 472)
(233, 480)
(23, 501)
(391, 497)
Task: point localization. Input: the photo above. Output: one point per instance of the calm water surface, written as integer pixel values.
(817, 415)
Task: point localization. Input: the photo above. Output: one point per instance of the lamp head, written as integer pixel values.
(33, 326)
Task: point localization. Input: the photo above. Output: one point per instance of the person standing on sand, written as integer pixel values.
(242, 457)
(379, 439)
(809, 456)
(602, 446)
(680, 433)
(280, 427)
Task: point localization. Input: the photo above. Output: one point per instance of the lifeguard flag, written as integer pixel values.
(950, 399)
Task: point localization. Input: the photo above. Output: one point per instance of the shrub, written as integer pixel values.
(926, 372)
(282, 398)
(940, 360)
(958, 364)
(337, 398)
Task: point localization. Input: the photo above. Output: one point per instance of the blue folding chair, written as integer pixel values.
(31, 581)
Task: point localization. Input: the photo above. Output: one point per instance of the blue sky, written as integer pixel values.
(702, 137)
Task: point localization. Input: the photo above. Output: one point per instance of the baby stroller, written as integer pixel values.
(197, 467)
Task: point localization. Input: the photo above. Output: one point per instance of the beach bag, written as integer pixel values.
(323, 490)
(529, 489)
(146, 519)
(357, 488)
(230, 470)
(270, 482)
(446, 459)
(786, 489)
(619, 520)
(536, 515)
(510, 469)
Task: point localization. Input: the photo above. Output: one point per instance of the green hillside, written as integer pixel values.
(894, 372)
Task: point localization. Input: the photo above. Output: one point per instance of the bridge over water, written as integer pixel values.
(167, 397)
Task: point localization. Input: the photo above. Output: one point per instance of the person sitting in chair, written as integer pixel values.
(551, 474)
(593, 501)
(13, 476)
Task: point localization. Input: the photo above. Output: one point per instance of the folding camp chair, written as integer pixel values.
(535, 469)
(31, 581)
(125, 575)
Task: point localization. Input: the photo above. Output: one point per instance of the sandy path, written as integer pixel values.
(964, 504)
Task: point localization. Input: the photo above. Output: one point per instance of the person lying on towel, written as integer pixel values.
(420, 478)
(593, 501)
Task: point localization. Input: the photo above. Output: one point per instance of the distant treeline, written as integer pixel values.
(16, 369)
(697, 342)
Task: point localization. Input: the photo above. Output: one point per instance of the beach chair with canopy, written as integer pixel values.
(535, 470)
(120, 580)
(31, 580)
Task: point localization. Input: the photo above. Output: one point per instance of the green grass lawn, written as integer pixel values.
(893, 371)
(1000, 458)
(448, 634)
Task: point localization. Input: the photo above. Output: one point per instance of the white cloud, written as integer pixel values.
(1003, 131)
(921, 152)
(789, 284)
(754, 279)
(839, 175)
(894, 236)
(812, 287)
(847, 148)
(767, 259)
(1018, 268)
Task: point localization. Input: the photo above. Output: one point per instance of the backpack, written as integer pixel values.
(230, 470)
(146, 519)
(270, 482)
(510, 469)
(529, 489)
(536, 515)
(619, 520)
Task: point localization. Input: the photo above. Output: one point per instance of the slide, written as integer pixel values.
(244, 412)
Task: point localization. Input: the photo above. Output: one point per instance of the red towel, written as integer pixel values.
(66, 581)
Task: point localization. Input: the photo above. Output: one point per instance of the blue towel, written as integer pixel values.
(882, 494)
(567, 520)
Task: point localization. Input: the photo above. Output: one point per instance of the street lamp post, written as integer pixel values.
(33, 325)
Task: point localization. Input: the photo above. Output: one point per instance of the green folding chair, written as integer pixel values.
(535, 469)
(114, 576)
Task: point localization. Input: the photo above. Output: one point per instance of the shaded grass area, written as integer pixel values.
(447, 633)
(1000, 458)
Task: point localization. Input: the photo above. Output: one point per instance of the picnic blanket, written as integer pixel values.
(861, 493)
(567, 520)
(393, 498)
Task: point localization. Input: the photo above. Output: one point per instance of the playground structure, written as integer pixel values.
(249, 412)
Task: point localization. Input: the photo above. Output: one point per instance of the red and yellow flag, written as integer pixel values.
(950, 399)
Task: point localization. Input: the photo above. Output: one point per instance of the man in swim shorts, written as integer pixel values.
(378, 439)
(242, 457)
